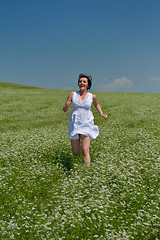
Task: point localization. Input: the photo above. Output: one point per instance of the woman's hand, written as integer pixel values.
(105, 116)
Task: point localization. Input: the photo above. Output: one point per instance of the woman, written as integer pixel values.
(81, 121)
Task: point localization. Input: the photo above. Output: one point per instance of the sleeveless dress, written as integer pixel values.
(81, 119)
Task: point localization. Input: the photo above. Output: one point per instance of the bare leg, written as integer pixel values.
(85, 148)
(76, 147)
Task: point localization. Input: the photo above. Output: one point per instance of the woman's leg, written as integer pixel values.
(76, 147)
(85, 148)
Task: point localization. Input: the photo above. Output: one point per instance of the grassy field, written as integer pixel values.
(45, 192)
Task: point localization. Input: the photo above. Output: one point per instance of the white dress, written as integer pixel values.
(81, 119)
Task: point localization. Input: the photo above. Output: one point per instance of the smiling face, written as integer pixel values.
(83, 83)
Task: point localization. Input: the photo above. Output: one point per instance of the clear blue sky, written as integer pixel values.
(47, 43)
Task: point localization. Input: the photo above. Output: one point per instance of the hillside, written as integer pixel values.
(46, 192)
(29, 107)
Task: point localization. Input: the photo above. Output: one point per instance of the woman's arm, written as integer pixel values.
(98, 107)
(68, 102)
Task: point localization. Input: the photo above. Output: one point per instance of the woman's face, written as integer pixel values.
(83, 83)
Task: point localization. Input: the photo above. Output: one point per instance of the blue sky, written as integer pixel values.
(47, 43)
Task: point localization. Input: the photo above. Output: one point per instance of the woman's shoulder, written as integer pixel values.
(94, 96)
(71, 93)
(70, 96)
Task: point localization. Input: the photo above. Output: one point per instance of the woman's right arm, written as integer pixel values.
(68, 102)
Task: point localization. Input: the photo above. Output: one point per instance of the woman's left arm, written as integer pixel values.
(98, 107)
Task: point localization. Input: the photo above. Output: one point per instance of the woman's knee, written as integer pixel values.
(85, 150)
(75, 146)
(76, 152)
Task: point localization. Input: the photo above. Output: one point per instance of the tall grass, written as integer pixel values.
(45, 192)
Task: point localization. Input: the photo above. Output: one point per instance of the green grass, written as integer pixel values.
(45, 192)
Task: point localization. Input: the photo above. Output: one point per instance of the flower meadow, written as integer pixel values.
(45, 192)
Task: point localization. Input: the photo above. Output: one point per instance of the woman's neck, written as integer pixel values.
(82, 92)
